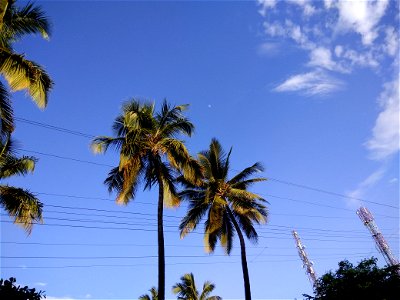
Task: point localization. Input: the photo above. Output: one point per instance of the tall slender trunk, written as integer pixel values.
(246, 279)
(161, 251)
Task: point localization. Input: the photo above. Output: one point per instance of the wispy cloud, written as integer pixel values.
(363, 187)
(40, 284)
(311, 84)
(385, 140)
(268, 49)
(60, 298)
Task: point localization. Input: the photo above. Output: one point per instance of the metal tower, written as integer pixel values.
(383, 247)
(307, 264)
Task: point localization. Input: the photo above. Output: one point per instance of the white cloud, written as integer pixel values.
(361, 17)
(308, 8)
(312, 83)
(60, 298)
(322, 57)
(366, 59)
(393, 180)
(385, 134)
(367, 183)
(328, 3)
(40, 283)
(268, 49)
(391, 45)
(265, 5)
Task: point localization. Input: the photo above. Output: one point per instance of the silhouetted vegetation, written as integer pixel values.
(9, 290)
(365, 281)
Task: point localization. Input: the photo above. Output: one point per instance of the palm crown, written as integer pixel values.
(186, 289)
(149, 150)
(153, 295)
(225, 201)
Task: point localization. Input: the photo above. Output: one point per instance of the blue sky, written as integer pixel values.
(309, 88)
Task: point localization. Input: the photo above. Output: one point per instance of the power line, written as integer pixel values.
(56, 128)
(328, 192)
(263, 194)
(149, 264)
(78, 133)
(268, 231)
(155, 245)
(65, 157)
(155, 256)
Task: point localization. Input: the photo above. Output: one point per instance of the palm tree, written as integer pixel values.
(149, 153)
(229, 206)
(153, 295)
(186, 289)
(18, 203)
(20, 73)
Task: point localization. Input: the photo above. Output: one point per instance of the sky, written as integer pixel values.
(308, 88)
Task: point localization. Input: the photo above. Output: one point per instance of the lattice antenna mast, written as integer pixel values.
(383, 247)
(307, 264)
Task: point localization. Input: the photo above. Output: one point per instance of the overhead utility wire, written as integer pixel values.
(56, 128)
(263, 194)
(155, 256)
(328, 192)
(268, 231)
(169, 231)
(61, 129)
(155, 245)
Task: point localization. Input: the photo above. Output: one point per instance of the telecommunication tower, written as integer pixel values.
(383, 247)
(307, 264)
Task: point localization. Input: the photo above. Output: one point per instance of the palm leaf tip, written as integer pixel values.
(97, 148)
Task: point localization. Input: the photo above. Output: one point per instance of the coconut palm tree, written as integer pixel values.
(229, 206)
(20, 73)
(150, 153)
(186, 289)
(153, 295)
(20, 204)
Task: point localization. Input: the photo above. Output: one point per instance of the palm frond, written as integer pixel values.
(208, 287)
(6, 112)
(21, 74)
(179, 158)
(246, 225)
(153, 295)
(245, 184)
(30, 19)
(239, 193)
(171, 196)
(206, 166)
(216, 157)
(16, 166)
(197, 210)
(22, 205)
(179, 126)
(186, 289)
(227, 233)
(170, 115)
(246, 173)
(101, 144)
(131, 172)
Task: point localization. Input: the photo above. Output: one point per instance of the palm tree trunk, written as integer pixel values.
(161, 251)
(246, 279)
